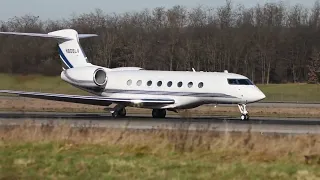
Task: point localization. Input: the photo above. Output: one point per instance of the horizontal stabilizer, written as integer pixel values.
(36, 35)
(92, 100)
(81, 36)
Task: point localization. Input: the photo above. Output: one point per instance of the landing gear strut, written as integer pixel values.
(159, 113)
(119, 111)
(244, 113)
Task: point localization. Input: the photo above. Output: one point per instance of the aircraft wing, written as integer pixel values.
(92, 100)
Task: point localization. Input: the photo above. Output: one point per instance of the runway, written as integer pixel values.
(222, 123)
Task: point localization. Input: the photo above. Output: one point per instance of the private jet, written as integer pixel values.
(160, 91)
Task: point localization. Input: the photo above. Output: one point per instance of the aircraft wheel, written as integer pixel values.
(115, 114)
(244, 117)
(159, 113)
(121, 113)
(163, 113)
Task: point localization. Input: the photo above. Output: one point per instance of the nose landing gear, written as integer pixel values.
(244, 113)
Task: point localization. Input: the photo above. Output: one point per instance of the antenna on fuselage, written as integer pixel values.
(193, 70)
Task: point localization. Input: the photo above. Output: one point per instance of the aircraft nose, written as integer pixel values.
(253, 95)
(260, 95)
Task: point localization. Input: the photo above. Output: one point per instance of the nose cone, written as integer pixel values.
(254, 95)
(260, 95)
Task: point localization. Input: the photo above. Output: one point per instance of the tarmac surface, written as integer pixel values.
(146, 122)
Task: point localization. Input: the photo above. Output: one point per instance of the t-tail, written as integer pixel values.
(69, 48)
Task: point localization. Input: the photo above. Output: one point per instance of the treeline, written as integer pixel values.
(269, 43)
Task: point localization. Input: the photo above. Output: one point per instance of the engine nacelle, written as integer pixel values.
(87, 77)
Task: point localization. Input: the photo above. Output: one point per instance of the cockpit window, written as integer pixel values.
(232, 81)
(239, 82)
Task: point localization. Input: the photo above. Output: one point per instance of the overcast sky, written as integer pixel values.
(58, 9)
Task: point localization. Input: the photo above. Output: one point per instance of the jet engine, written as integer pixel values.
(89, 77)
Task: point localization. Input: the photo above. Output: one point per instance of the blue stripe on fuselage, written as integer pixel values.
(64, 58)
(169, 93)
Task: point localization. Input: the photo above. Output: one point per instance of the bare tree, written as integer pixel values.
(270, 43)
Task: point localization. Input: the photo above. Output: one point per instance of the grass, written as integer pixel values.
(61, 152)
(301, 92)
(274, 92)
(37, 83)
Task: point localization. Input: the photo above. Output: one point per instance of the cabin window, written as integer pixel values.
(239, 82)
(139, 83)
(129, 82)
(149, 83)
(169, 84)
(200, 85)
(190, 84)
(159, 83)
(179, 84)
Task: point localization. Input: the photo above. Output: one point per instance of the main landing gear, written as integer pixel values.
(119, 111)
(244, 113)
(159, 113)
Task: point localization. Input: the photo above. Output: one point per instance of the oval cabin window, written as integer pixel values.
(169, 84)
(129, 82)
(159, 83)
(200, 85)
(190, 84)
(149, 83)
(139, 83)
(179, 84)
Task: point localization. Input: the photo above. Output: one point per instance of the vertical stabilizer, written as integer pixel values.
(69, 49)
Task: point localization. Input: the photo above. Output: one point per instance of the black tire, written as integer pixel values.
(163, 113)
(122, 112)
(159, 113)
(115, 114)
(243, 117)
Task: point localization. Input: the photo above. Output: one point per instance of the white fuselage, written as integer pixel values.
(188, 89)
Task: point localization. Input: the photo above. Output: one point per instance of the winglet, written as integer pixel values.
(81, 36)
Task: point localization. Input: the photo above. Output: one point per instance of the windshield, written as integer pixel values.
(239, 82)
